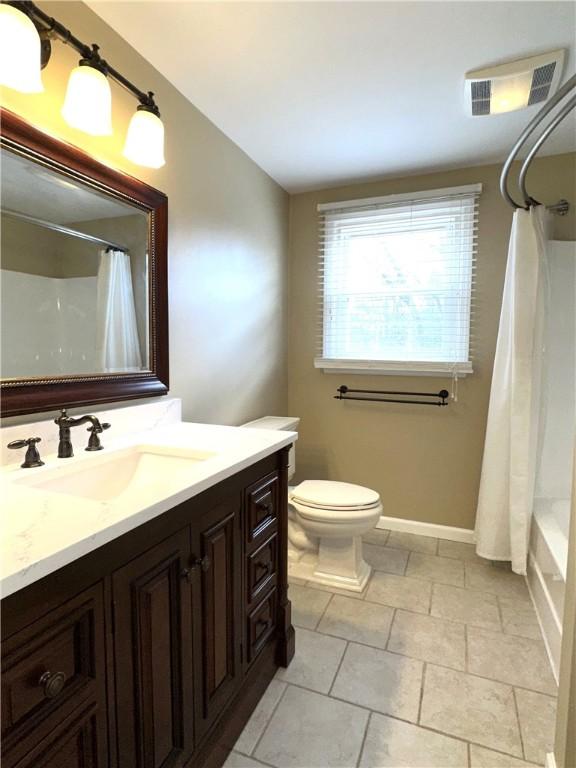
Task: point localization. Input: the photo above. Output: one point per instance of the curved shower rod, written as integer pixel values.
(562, 206)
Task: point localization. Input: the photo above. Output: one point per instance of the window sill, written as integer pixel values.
(393, 368)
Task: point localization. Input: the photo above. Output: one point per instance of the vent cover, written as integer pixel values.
(481, 97)
(541, 82)
(513, 85)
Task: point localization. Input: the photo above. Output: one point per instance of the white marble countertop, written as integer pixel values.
(42, 530)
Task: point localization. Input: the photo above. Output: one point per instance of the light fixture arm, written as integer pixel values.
(49, 28)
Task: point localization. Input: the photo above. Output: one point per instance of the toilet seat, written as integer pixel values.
(334, 502)
(336, 516)
(329, 494)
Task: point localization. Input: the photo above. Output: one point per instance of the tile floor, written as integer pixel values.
(439, 663)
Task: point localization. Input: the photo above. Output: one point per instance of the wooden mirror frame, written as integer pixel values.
(31, 395)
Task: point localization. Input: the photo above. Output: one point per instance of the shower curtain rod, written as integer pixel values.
(64, 230)
(562, 206)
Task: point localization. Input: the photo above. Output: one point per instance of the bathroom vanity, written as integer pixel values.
(144, 585)
(152, 647)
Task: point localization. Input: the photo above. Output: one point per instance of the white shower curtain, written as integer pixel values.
(509, 464)
(117, 343)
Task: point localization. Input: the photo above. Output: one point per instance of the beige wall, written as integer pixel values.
(425, 462)
(27, 248)
(227, 233)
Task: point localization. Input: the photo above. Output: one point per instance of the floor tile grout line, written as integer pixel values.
(466, 651)
(422, 613)
(237, 752)
(539, 693)
(338, 668)
(421, 699)
(364, 735)
(473, 624)
(274, 708)
(392, 620)
(434, 663)
(467, 625)
(517, 713)
(330, 599)
(423, 726)
(469, 754)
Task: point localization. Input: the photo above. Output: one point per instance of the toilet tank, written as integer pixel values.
(285, 423)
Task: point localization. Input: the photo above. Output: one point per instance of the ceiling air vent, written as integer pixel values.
(514, 85)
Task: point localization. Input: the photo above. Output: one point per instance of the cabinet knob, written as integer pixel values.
(204, 562)
(52, 683)
(186, 573)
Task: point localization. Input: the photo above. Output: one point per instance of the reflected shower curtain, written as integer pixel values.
(117, 343)
(509, 464)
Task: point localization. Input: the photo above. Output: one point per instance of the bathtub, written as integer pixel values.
(547, 562)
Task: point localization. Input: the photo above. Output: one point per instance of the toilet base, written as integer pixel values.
(339, 563)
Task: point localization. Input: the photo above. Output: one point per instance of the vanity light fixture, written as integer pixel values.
(25, 47)
(145, 138)
(88, 102)
(20, 51)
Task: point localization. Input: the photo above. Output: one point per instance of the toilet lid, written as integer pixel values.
(337, 515)
(328, 494)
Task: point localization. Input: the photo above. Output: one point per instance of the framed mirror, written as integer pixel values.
(84, 304)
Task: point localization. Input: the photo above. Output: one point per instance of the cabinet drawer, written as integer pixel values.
(261, 624)
(262, 565)
(51, 666)
(73, 744)
(262, 507)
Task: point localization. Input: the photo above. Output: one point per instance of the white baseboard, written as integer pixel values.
(449, 532)
(550, 760)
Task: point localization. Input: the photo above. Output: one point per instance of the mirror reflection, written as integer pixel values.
(74, 276)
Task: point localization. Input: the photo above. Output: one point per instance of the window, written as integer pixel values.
(396, 282)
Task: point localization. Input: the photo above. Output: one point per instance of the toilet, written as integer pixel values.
(326, 521)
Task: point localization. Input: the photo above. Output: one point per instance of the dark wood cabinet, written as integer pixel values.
(152, 651)
(218, 633)
(73, 744)
(50, 669)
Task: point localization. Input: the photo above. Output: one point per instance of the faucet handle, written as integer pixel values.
(63, 415)
(32, 458)
(94, 439)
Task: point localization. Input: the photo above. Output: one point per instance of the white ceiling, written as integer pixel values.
(319, 93)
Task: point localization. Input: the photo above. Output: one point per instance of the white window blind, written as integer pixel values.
(396, 278)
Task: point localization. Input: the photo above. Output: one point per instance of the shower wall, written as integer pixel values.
(559, 396)
(53, 325)
(550, 526)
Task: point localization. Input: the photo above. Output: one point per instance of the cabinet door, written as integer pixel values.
(217, 542)
(153, 656)
(72, 745)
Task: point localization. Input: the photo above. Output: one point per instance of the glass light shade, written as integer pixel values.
(145, 140)
(88, 102)
(510, 93)
(19, 51)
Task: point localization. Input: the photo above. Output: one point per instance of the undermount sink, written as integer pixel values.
(157, 470)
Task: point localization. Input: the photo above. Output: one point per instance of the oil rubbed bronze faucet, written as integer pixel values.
(32, 458)
(65, 423)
